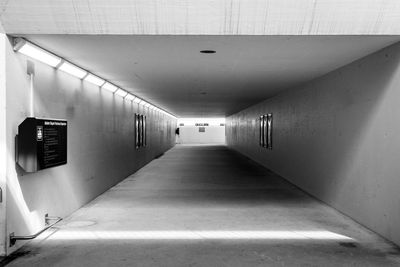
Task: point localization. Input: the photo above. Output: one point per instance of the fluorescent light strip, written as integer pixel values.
(121, 92)
(94, 80)
(31, 50)
(110, 87)
(196, 235)
(38, 53)
(129, 97)
(72, 69)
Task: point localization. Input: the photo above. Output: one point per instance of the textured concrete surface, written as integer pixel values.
(159, 215)
(341, 135)
(229, 17)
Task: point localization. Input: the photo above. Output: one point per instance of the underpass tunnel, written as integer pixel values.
(199, 134)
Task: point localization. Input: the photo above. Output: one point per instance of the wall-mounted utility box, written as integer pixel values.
(41, 144)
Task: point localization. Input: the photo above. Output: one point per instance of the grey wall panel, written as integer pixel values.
(101, 143)
(338, 138)
(3, 150)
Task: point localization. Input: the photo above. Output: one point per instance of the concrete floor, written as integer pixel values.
(206, 206)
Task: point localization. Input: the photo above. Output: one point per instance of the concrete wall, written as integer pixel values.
(101, 143)
(212, 135)
(3, 150)
(338, 138)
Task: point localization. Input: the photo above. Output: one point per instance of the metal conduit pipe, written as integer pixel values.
(14, 238)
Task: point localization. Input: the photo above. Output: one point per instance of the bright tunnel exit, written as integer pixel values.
(201, 131)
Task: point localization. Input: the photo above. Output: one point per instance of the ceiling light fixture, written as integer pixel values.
(129, 97)
(34, 51)
(94, 80)
(110, 87)
(121, 92)
(72, 69)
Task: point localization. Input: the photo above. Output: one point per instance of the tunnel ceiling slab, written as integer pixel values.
(171, 72)
(209, 17)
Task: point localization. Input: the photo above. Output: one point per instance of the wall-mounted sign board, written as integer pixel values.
(41, 144)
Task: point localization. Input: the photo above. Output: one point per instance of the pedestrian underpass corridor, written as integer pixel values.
(206, 206)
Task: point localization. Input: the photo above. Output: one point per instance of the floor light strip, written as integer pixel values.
(110, 87)
(197, 234)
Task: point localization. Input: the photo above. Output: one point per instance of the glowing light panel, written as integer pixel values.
(37, 53)
(110, 87)
(129, 97)
(94, 80)
(73, 70)
(121, 93)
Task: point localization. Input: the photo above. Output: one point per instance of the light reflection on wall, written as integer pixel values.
(32, 219)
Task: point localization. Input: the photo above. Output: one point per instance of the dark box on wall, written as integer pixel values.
(41, 144)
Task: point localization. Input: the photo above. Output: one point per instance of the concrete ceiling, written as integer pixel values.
(152, 47)
(201, 17)
(169, 70)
